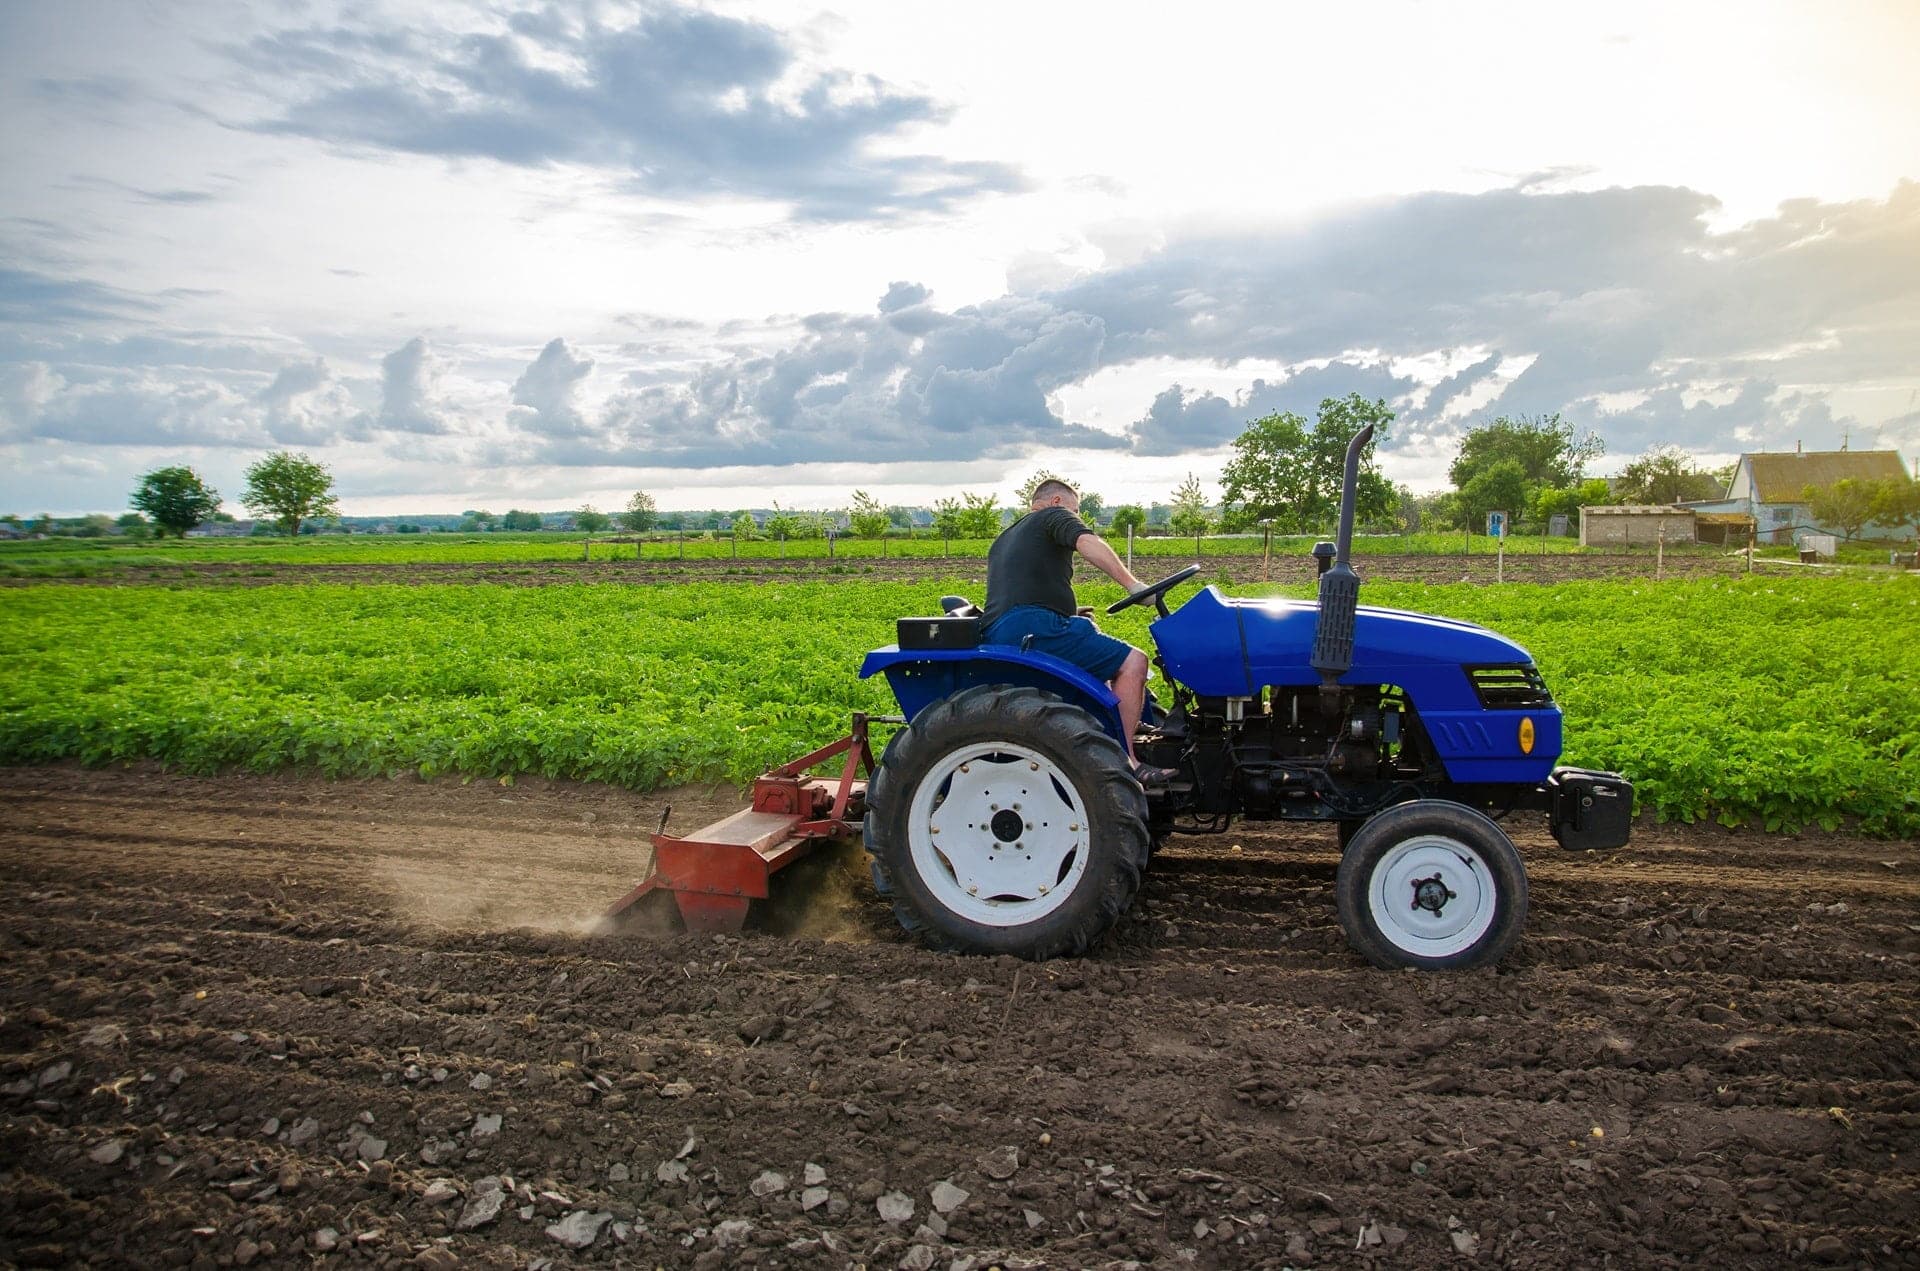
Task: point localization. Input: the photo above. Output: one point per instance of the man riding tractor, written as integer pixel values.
(1030, 603)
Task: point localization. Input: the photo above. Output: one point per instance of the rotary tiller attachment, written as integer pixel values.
(716, 873)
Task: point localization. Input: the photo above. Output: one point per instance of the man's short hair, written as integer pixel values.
(1050, 487)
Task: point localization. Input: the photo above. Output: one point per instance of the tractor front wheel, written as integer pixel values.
(1431, 884)
(1003, 820)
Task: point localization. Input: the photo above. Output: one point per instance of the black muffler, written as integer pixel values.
(1339, 587)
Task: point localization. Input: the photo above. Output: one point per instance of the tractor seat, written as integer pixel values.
(960, 627)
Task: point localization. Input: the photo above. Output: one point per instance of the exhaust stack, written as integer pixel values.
(1339, 585)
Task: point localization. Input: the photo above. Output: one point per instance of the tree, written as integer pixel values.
(979, 516)
(1847, 505)
(784, 524)
(867, 518)
(1665, 474)
(1129, 516)
(1437, 511)
(176, 498)
(1896, 504)
(1092, 508)
(640, 514)
(133, 525)
(1500, 487)
(1190, 508)
(946, 517)
(287, 489)
(1550, 501)
(1032, 483)
(476, 522)
(743, 526)
(1285, 472)
(591, 519)
(1546, 448)
(517, 519)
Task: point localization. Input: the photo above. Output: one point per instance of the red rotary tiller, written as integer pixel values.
(716, 873)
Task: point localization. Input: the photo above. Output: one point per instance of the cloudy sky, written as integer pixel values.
(493, 255)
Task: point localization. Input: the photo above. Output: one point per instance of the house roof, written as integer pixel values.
(1782, 478)
(1637, 509)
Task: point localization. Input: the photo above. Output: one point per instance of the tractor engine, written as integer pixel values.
(1280, 755)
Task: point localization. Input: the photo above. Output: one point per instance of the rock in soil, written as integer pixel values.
(579, 1228)
(947, 1197)
(482, 1209)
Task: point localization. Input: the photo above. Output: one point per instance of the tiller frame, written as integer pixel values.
(716, 873)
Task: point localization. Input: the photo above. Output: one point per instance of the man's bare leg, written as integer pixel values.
(1130, 685)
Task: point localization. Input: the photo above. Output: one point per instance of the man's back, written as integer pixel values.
(1031, 563)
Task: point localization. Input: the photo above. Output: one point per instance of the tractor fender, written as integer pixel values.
(921, 677)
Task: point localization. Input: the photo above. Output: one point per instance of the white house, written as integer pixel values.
(1770, 488)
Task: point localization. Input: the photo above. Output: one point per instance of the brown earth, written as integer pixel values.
(1293, 568)
(242, 1019)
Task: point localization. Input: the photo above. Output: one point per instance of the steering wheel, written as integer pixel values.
(1156, 592)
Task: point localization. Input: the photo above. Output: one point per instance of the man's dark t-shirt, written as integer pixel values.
(1031, 563)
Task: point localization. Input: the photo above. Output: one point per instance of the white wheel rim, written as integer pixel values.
(1432, 896)
(998, 833)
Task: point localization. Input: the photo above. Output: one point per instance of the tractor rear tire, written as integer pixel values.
(1003, 820)
(1431, 884)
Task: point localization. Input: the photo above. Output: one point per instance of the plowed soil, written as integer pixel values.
(274, 1021)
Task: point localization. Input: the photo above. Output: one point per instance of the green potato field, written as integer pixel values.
(1776, 702)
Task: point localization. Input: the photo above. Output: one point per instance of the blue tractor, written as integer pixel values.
(1004, 816)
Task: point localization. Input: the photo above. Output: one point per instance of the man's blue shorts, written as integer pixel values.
(1075, 639)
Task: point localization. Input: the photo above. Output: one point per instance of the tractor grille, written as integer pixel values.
(1510, 687)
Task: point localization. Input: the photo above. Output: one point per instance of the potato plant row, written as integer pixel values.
(1778, 702)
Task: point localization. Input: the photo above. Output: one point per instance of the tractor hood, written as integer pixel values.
(1219, 646)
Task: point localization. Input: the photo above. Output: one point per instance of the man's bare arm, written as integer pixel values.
(1107, 561)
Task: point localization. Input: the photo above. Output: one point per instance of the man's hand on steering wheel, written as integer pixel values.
(1156, 592)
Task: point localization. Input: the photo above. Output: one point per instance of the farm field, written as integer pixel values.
(1776, 701)
(258, 1017)
(1435, 567)
(57, 557)
(247, 1019)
